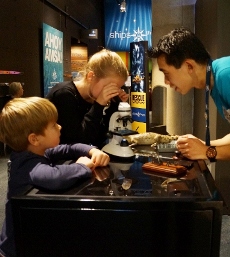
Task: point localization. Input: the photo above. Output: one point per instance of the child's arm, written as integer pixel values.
(75, 151)
(68, 152)
(58, 176)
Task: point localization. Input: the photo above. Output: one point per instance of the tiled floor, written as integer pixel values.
(225, 236)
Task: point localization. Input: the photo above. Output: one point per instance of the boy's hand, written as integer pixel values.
(98, 157)
(86, 161)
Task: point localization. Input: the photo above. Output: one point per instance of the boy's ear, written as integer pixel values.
(33, 140)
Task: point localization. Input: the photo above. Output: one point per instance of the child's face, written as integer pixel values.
(98, 85)
(51, 137)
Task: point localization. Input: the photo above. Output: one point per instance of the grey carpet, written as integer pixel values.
(225, 234)
(3, 187)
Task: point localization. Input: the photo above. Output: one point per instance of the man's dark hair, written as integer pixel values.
(178, 45)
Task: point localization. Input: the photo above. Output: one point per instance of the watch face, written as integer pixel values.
(211, 152)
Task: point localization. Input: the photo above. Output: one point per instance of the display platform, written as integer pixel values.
(151, 215)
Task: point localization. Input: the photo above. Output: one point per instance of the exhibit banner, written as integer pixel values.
(52, 57)
(139, 99)
(133, 25)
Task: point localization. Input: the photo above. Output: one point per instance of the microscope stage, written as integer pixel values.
(124, 132)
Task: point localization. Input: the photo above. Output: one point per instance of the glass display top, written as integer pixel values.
(110, 182)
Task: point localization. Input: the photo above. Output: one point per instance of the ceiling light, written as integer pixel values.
(123, 6)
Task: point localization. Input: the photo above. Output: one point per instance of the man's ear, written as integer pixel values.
(33, 140)
(190, 65)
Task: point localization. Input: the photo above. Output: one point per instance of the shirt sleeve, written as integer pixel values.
(29, 169)
(68, 152)
(220, 90)
(59, 176)
(223, 85)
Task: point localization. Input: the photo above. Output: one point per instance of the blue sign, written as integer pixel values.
(133, 25)
(139, 114)
(139, 85)
(52, 57)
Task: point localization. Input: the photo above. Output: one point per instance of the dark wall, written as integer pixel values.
(212, 19)
(206, 30)
(21, 35)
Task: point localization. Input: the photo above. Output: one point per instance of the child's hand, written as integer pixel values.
(107, 93)
(123, 95)
(102, 173)
(86, 161)
(98, 157)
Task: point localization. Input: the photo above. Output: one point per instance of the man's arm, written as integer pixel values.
(194, 148)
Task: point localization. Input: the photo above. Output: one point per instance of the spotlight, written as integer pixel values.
(123, 6)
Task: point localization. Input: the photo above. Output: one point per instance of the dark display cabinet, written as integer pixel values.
(157, 216)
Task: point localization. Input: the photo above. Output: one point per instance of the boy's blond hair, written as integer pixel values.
(23, 116)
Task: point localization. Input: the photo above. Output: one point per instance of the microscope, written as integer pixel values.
(120, 125)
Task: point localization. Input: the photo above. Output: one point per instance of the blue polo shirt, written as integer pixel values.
(221, 89)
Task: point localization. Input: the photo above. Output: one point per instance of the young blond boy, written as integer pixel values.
(28, 126)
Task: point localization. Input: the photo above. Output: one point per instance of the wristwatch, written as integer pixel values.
(211, 153)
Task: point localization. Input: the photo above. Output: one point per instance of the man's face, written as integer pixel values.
(178, 79)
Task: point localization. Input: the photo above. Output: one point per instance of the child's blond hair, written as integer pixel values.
(23, 116)
(106, 63)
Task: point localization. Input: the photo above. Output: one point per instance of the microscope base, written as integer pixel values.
(119, 153)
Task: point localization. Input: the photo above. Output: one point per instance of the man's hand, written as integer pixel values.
(191, 147)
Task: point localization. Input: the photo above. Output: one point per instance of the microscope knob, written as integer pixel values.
(124, 142)
(109, 135)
